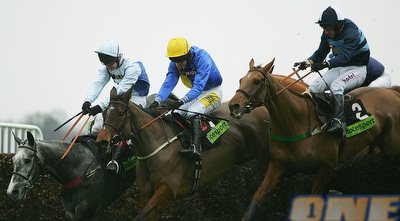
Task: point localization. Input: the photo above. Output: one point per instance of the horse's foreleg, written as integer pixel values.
(322, 178)
(163, 195)
(271, 178)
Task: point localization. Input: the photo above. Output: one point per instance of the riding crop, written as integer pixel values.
(76, 137)
(66, 122)
(72, 127)
(286, 87)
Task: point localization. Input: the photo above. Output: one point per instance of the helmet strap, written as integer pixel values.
(188, 57)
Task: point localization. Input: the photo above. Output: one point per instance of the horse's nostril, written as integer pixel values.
(14, 193)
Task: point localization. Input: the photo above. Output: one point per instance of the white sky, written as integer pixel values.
(47, 46)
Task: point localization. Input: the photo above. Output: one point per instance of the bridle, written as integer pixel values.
(253, 98)
(120, 136)
(32, 175)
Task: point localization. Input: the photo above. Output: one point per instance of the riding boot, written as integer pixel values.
(113, 164)
(194, 150)
(336, 123)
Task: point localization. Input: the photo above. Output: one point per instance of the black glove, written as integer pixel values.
(153, 105)
(86, 107)
(303, 64)
(175, 104)
(95, 110)
(319, 66)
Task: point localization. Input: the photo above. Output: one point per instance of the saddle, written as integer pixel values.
(356, 116)
(212, 129)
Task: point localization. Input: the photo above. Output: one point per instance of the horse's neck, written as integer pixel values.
(288, 108)
(150, 133)
(139, 117)
(66, 169)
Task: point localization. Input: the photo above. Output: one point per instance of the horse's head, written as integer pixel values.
(252, 89)
(116, 119)
(26, 168)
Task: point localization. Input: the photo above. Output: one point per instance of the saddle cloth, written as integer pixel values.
(356, 116)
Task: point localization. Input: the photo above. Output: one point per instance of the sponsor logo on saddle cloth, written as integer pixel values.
(344, 207)
(217, 131)
(358, 119)
(130, 163)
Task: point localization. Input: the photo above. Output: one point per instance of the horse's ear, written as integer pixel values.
(17, 139)
(127, 95)
(251, 64)
(113, 93)
(269, 67)
(31, 139)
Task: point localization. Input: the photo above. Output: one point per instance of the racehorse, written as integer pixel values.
(86, 185)
(297, 142)
(162, 174)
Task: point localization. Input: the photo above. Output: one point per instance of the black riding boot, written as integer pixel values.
(195, 146)
(113, 164)
(336, 123)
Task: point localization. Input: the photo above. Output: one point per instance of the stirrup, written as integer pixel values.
(335, 126)
(186, 152)
(113, 165)
(196, 155)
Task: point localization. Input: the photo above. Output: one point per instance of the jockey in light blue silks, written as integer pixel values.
(126, 74)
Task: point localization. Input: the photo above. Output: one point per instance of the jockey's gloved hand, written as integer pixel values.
(319, 66)
(95, 110)
(175, 104)
(303, 64)
(153, 105)
(85, 107)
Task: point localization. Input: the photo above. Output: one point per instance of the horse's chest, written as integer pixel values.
(294, 156)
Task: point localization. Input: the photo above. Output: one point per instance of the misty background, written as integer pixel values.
(47, 47)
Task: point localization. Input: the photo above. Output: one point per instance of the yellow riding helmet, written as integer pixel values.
(177, 47)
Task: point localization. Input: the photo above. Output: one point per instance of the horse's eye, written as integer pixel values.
(27, 161)
(257, 81)
(121, 113)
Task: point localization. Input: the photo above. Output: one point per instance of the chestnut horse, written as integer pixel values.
(162, 174)
(292, 115)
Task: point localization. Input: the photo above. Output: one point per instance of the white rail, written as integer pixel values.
(7, 142)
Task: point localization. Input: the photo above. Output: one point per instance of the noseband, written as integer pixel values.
(253, 99)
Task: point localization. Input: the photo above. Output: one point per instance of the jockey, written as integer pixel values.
(126, 74)
(347, 68)
(197, 71)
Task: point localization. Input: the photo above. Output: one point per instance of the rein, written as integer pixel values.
(117, 138)
(29, 178)
(253, 104)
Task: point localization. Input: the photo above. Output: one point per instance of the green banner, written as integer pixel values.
(360, 126)
(217, 131)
